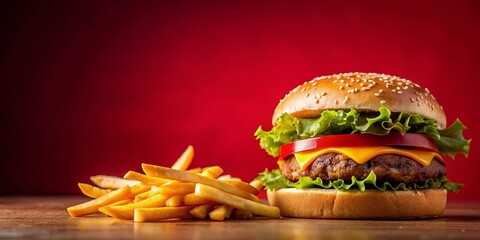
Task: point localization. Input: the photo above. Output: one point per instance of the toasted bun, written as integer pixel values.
(370, 204)
(363, 92)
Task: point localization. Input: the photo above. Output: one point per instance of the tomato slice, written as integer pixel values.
(359, 140)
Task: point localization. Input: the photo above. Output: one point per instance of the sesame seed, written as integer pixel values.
(341, 87)
(380, 91)
(317, 101)
(342, 81)
(314, 88)
(317, 95)
(426, 90)
(303, 89)
(324, 93)
(345, 100)
(399, 92)
(362, 84)
(376, 94)
(335, 81)
(347, 85)
(336, 101)
(398, 88)
(412, 100)
(364, 88)
(315, 83)
(393, 90)
(382, 101)
(350, 91)
(308, 94)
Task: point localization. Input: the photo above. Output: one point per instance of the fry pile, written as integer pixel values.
(173, 193)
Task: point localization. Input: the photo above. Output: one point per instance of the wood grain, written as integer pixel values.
(45, 217)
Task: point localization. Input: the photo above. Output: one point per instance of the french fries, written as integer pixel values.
(174, 201)
(126, 211)
(112, 182)
(217, 195)
(256, 184)
(242, 185)
(93, 205)
(178, 192)
(183, 162)
(132, 175)
(193, 200)
(220, 213)
(161, 213)
(92, 191)
(201, 211)
(173, 174)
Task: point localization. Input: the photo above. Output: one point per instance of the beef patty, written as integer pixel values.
(387, 167)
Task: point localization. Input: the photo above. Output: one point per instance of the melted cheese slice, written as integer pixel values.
(362, 154)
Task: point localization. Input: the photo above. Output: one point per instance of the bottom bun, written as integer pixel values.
(354, 204)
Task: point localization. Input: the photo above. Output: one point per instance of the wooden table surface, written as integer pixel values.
(28, 217)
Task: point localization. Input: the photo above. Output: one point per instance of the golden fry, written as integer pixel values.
(126, 212)
(174, 188)
(121, 202)
(220, 213)
(174, 201)
(161, 213)
(184, 160)
(105, 181)
(92, 191)
(138, 189)
(212, 172)
(201, 211)
(256, 184)
(195, 170)
(93, 205)
(242, 185)
(143, 196)
(224, 177)
(192, 199)
(132, 175)
(220, 196)
(168, 173)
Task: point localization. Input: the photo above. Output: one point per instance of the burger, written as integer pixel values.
(360, 146)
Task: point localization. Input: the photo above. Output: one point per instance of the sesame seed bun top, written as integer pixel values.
(365, 92)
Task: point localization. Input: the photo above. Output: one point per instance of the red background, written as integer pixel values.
(98, 87)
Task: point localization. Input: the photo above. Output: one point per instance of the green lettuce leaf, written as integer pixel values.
(276, 180)
(449, 141)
